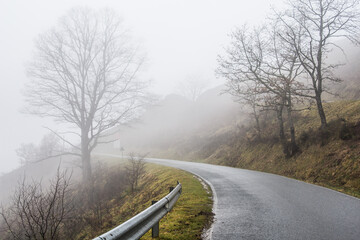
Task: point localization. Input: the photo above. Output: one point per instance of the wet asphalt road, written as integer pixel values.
(255, 205)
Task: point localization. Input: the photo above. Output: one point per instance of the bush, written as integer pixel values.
(134, 170)
(38, 214)
(345, 132)
(304, 137)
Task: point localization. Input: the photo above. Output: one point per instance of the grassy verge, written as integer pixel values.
(192, 212)
(190, 215)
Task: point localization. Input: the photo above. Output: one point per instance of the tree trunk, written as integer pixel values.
(258, 129)
(281, 131)
(319, 77)
(293, 146)
(320, 110)
(86, 167)
(86, 158)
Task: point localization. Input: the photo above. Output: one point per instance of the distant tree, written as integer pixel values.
(311, 27)
(84, 75)
(48, 147)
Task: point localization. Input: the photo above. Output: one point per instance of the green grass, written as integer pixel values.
(190, 215)
(192, 212)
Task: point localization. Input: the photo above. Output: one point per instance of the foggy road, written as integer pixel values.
(255, 205)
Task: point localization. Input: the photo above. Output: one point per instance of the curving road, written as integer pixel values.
(256, 205)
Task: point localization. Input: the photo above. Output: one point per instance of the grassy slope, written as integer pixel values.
(325, 158)
(191, 213)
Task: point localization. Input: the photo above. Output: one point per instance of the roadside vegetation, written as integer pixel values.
(190, 215)
(121, 189)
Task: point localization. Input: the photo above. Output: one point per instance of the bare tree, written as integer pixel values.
(38, 214)
(84, 75)
(311, 28)
(285, 67)
(259, 69)
(249, 94)
(134, 170)
(32, 153)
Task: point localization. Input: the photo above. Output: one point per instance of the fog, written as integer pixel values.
(180, 38)
(176, 124)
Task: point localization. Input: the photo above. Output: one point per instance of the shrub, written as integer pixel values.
(345, 132)
(134, 170)
(38, 214)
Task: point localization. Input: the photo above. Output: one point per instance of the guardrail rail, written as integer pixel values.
(140, 224)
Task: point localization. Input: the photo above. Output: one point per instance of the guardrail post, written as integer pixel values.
(171, 188)
(155, 229)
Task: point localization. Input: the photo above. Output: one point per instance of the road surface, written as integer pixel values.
(255, 205)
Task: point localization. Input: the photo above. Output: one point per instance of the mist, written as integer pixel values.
(181, 41)
(180, 38)
(175, 122)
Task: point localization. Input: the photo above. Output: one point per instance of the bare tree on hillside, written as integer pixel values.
(32, 153)
(84, 74)
(311, 28)
(257, 65)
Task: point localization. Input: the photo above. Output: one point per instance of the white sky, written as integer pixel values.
(180, 37)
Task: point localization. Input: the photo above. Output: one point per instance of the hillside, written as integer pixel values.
(328, 158)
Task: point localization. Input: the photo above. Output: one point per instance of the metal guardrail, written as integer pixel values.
(137, 226)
